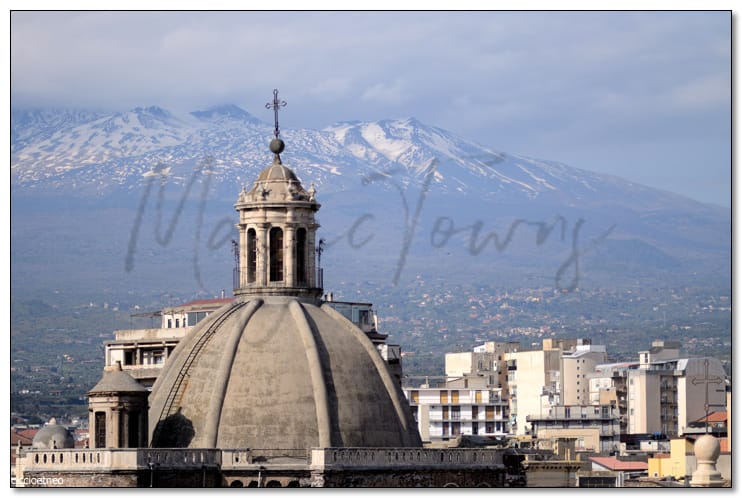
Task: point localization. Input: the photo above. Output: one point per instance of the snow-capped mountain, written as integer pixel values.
(98, 152)
(385, 177)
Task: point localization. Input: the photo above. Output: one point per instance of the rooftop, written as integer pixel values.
(613, 463)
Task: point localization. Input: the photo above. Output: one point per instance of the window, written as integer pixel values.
(276, 254)
(444, 397)
(100, 429)
(133, 429)
(454, 396)
(415, 395)
(252, 255)
(455, 413)
(177, 323)
(300, 256)
(169, 323)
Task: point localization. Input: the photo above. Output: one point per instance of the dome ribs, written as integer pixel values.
(393, 390)
(176, 392)
(315, 371)
(211, 431)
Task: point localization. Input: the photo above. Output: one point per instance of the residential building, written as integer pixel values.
(551, 376)
(594, 427)
(471, 398)
(464, 406)
(661, 393)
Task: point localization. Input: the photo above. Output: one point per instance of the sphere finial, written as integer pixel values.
(277, 145)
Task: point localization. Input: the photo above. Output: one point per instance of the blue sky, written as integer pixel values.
(641, 95)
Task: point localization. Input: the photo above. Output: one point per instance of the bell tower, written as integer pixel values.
(277, 231)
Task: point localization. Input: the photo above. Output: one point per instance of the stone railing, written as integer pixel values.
(236, 458)
(178, 457)
(398, 457)
(79, 459)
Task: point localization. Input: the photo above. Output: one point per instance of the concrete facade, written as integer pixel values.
(661, 393)
(460, 407)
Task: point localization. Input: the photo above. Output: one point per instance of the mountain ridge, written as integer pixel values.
(398, 179)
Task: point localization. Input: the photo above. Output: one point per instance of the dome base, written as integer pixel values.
(308, 294)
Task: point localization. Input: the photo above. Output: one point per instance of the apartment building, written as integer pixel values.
(556, 374)
(661, 393)
(466, 406)
(594, 427)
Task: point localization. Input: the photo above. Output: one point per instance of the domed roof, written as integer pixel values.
(276, 372)
(277, 184)
(53, 436)
(116, 380)
(277, 172)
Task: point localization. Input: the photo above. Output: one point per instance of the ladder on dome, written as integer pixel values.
(176, 392)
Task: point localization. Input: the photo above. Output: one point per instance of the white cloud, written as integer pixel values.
(704, 93)
(387, 93)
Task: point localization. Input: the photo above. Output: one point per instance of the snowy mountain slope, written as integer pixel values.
(97, 153)
(359, 168)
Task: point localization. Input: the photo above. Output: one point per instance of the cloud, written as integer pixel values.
(511, 79)
(708, 92)
(387, 93)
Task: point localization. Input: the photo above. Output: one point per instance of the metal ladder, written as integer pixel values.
(176, 392)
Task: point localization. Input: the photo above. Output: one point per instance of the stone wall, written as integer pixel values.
(409, 478)
(329, 467)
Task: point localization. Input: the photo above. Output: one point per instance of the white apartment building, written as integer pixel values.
(463, 406)
(556, 374)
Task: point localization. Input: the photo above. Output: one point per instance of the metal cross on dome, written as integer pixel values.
(275, 105)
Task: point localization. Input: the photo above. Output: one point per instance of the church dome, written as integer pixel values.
(278, 372)
(53, 436)
(277, 172)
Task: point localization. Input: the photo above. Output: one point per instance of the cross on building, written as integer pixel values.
(275, 105)
(707, 380)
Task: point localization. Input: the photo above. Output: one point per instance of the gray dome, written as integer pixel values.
(278, 373)
(53, 436)
(277, 172)
(115, 380)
